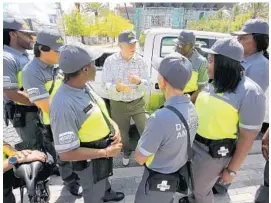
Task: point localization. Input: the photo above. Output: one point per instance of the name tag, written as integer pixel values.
(88, 108)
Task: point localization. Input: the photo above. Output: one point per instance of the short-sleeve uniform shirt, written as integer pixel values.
(165, 137)
(13, 63)
(35, 76)
(67, 114)
(257, 69)
(247, 101)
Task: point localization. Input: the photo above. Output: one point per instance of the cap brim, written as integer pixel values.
(29, 31)
(237, 33)
(208, 51)
(132, 41)
(57, 47)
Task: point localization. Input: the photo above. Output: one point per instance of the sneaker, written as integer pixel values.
(125, 161)
(75, 189)
(56, 171)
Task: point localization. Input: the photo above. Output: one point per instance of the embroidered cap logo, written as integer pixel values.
(59, 40)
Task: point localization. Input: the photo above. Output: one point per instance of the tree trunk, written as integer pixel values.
(77, 5)
(83, 40)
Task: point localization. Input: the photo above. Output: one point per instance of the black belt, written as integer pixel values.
(27, 108)
(203, 140)
(207, 141)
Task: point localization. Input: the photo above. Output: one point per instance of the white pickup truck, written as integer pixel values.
(153, 45)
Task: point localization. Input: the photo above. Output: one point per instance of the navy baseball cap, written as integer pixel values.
(127, 36)
(51, 38)
(17, 24)
(227, 47)
(176, 69)
(74, 57)
(258, 26)
(186, 37)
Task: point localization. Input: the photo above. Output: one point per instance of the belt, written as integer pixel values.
(27, 108)
(207, 141)
(203, 140)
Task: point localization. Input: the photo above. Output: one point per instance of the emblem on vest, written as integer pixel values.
(59, 40)
(223, 151)
(163, 186)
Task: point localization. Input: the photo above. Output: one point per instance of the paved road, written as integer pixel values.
(127, 179)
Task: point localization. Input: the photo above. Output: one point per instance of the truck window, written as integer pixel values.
(168, 45)
(100, 61)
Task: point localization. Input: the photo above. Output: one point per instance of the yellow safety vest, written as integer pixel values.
(48, 85)
(4, 157)
(192, 84)
(217, 119)
(95, 127)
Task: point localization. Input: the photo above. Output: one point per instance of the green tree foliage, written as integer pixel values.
(96, 22)
(222, 22)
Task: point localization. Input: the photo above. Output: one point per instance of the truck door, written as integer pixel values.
(163, 44)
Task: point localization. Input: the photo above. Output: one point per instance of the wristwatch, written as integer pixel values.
(13, 160)
(232, 173)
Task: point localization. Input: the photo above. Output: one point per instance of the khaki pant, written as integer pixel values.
(122, 112)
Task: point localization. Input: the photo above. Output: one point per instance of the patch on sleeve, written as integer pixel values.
(33, 92)
(6, 80)
(66, 138)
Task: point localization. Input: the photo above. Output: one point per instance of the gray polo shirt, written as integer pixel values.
(13, 63)
(199, 65)
(67, 116)
(165, 136)
(257, 68)
(35, 75)
(248, 100)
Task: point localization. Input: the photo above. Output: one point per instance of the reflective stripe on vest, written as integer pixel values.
(95, 128)
(45, 116)
(217, 119)
(192, 84)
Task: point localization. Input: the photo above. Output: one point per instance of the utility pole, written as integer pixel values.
(62, 20)
(126, 11)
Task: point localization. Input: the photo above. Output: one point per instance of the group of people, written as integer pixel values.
(214, 109)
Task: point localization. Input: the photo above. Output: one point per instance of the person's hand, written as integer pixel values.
(113, 150)
(26, 156)
(265, 147)
(117, 137)
(134, 79)
(225, 177)
(122, 87)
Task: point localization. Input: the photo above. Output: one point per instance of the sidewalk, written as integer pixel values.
(126, 180)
